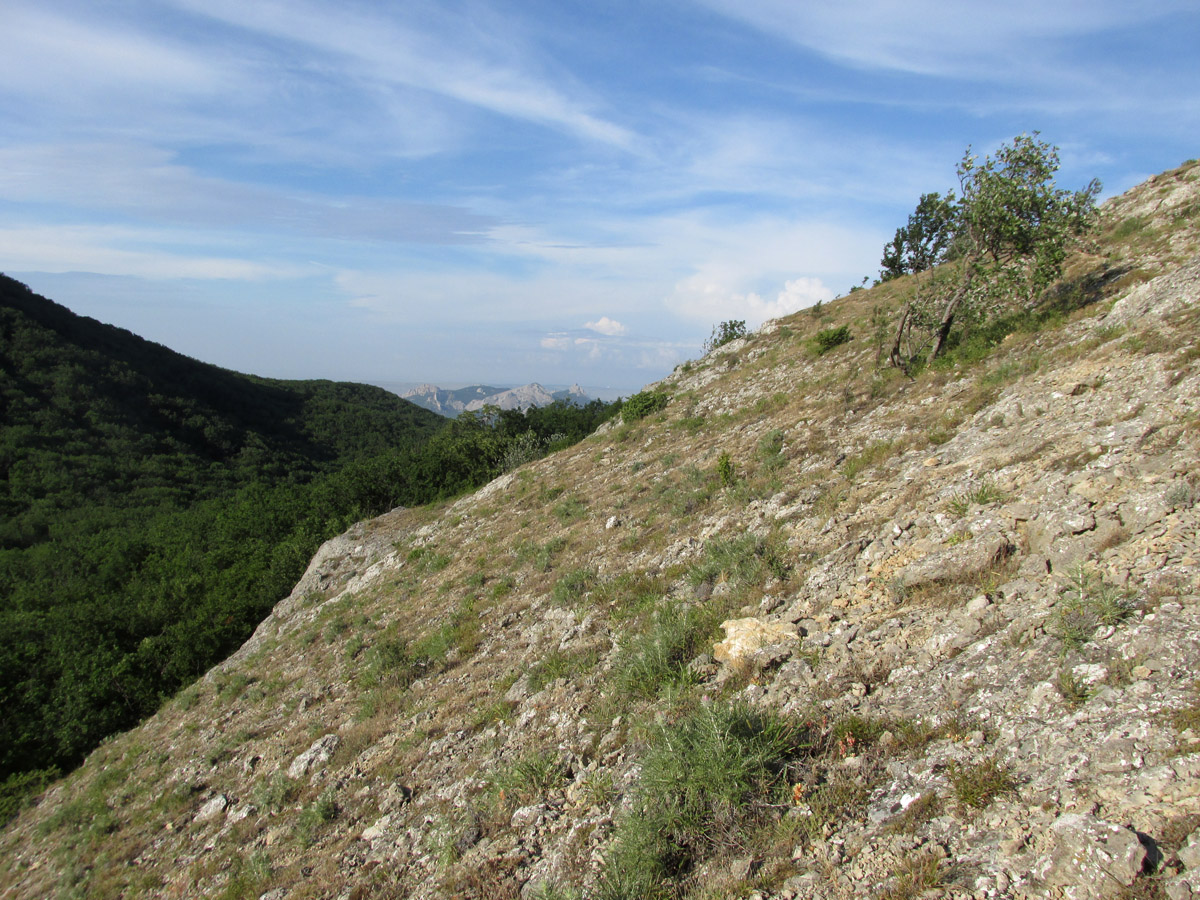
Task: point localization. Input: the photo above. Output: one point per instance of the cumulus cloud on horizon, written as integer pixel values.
(707, 296)
(605, 325)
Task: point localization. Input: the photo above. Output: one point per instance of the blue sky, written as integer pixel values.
(513, 190)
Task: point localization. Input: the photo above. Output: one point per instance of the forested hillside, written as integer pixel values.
(153, 508)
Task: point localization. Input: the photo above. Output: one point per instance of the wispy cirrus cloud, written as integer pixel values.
(143, 253)
(507, 190)
(960, 38)
(468, 56)
(71, 57)
(148, 182)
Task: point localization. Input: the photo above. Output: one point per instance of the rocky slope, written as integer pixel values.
(962, 610)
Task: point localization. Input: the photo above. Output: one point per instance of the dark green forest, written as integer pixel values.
(154, 508)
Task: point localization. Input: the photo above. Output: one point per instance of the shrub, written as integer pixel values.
(978, 784)
(320, 812)
(272, 795)
(725, 470)
(18, 791)
(559, 664)
(1012, 228)
(569, 510)
(872, 455)
(770, 450)
(724, 333)
(828, 338)
(658, 656)
(643, 404)
(704, 778)
(743, 560)
(529, 778)
(573, 585)
(985, 493)
(522, 449)
(1085, 603)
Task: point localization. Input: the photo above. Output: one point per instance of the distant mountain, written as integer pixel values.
(447, 402)
(476, 396)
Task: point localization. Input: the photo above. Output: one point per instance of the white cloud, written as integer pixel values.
(962, 38)
(605, 325)
(481, 63)
(712, 295)
(113, 250)
(592, 348)
(149, 182)
(65, 58)
(555, 342)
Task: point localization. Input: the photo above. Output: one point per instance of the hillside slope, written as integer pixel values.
(962, 643)
(97, 401)
(152, 509)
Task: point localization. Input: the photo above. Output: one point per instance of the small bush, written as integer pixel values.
(1074, 691)
(573, 585)
(724, 333)
(320, 812)
(743, 560)
(18, 790)
(559, 664)
(871, 455)
(828, 338)
(770, 450)
(978, 784)
(658, 656)
(985, 493)
(643, 404)
(725, 470)
(529, 778)
(274, 794)
(916, 874)
(425, 560)
(924, 809)
(570, 510)
(704, 779)
(1085, 603)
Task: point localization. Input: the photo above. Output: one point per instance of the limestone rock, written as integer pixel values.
(212, 808)
(1090, 859)
(314, 757)
(745, 637)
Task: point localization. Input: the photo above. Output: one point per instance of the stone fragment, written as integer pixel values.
(1189, 853)
(212, 808)
(527, 815)
(1090, 859)
(745, 637)
(1184, 887)
(978, 606)
(314, 757)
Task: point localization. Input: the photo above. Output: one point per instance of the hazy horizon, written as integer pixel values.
(533, 191)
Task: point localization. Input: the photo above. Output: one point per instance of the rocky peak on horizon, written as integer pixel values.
(451, 402)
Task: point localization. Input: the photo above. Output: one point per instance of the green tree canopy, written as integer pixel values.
(1012, 230)
(925, 241)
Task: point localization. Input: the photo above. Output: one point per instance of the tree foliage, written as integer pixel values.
(725, 332)
(1012, 229)
(925, 241)
(153, 509)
